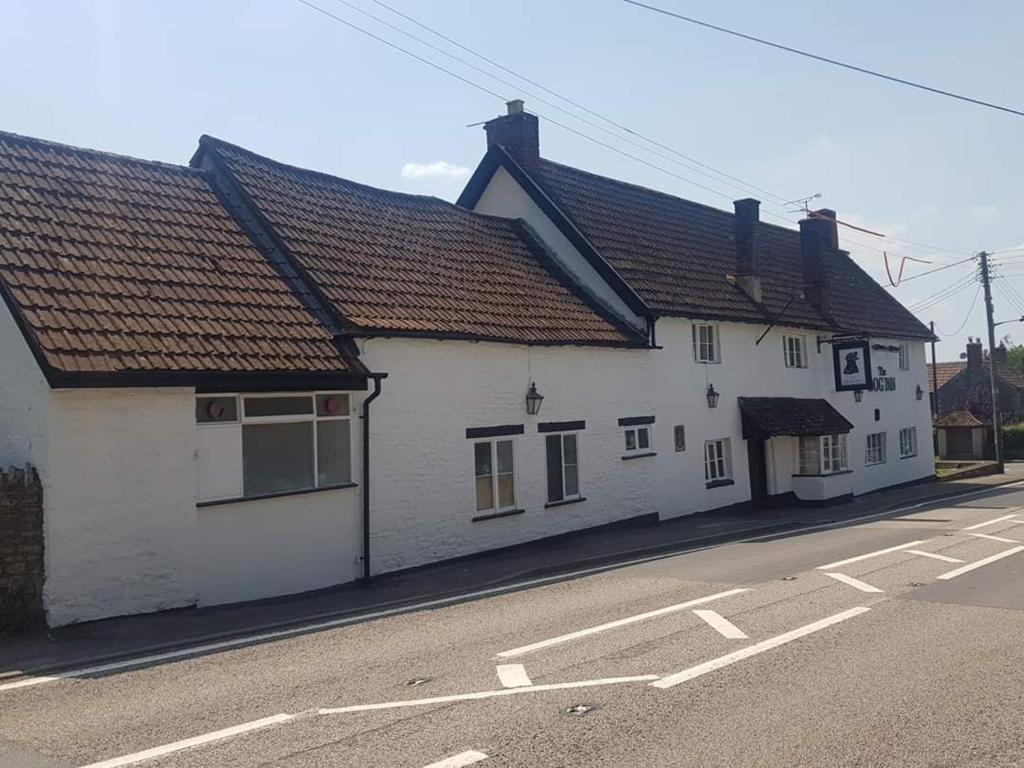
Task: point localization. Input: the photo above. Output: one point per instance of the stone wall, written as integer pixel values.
(21, 549)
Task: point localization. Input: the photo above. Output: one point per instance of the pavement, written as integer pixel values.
(452, 581)
(892, 641)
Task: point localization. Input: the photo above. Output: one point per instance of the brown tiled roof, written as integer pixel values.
(119, 266)
(408, 264)
(946, 371)
(773, 416)
(676, 254)
(959, 419)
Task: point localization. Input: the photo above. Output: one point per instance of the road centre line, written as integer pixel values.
(722, 625)
(302, 629)
(976, 526)
(479, 695)
(934, 556)
(980, 563)
(852, 582)
(460, 760)
(858, 558)
(513, 676)
(195, 741)
(617, 623)
(753, 650)
(994, 538)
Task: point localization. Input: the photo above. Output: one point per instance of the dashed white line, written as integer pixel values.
(980, 563)
(478, 695)
(976, 526)
(460, 760)
(934, 556)
(616, 624)
(858, 558)
(753, 650)
(195, 741)
(513, 676)
(852, 582)
(724, 627)
(994, 538)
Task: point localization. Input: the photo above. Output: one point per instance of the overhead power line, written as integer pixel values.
(937, 269)
(825, 59)
(967, 317)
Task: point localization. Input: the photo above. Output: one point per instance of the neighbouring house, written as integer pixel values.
(241, 379)
(961, 435)
(965, 385)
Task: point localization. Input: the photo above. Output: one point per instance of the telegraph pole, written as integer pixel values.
(997, 427)
(935, 377)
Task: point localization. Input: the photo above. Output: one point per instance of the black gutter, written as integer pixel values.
(377, 377)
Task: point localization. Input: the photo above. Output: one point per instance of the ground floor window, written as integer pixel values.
(494, 462)
(563, 467)
(823, 455)
(717, 460)
(908, 442)
(875, 451)
(251, 445)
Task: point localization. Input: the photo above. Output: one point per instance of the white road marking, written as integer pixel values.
(724, 627)
(513, 676)
(852, 582)
(976, 526)
(244, 640)
(753, 650)
(195, 741)
(478, 695)
(858, 558)
(993, 538)
(934, 556)
(617, 623)
(460, 760)
(980, 563)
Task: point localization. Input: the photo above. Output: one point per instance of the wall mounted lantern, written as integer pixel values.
(712, 396)
(919, 392)
(858, 395)
(533, 400)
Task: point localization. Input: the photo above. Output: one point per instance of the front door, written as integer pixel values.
(758, 471)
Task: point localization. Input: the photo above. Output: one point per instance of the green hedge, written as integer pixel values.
(1013, 441)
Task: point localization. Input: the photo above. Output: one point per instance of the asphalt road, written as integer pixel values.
(893, 643)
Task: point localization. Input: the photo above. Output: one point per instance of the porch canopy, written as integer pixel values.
(765, 417)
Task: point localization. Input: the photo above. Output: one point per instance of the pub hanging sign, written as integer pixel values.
(852, 363)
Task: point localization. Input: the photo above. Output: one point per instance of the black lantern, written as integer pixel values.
(533, 400)
(920, 392)
(712, 396)
(858, 395)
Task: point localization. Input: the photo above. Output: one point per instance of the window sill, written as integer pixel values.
(708, 362)
(496, 515)
(564, 502)
(827, 474)
(631, 456)
(874, 464)
(720, 483)
(275, 495)
(909, 456)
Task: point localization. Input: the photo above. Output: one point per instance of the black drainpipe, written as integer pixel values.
(366, 473)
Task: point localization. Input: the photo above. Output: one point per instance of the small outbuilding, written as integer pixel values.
(961, 435)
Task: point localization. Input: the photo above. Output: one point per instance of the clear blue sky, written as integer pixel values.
(147, 78)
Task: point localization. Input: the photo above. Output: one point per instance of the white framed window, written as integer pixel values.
(494, 464)
(904, 355)
(253, 445)
(794, 349)
(908, 442)
(823, 455)
(637, 439)
(563, 463)
(874, 453)
(717, 460)
(705, 343)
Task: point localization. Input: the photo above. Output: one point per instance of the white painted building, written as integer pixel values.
(192, 357)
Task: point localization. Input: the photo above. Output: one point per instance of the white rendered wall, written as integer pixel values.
(24, 400)
(119, 503)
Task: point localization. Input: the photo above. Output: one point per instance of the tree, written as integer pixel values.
(1014, 354)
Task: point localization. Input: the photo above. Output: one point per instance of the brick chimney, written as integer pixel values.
(748, 246)
(1000, 355)
(518, 132)
(974, 355)
(819, 240)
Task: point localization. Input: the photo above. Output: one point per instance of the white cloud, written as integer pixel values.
(437, 169)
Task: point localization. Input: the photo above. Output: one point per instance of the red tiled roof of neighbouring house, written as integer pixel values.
(945, 372)
(394, 263)
(959, 419)
(677, 255)
(116, 265)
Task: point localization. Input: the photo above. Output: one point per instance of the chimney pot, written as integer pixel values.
(515, 107)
